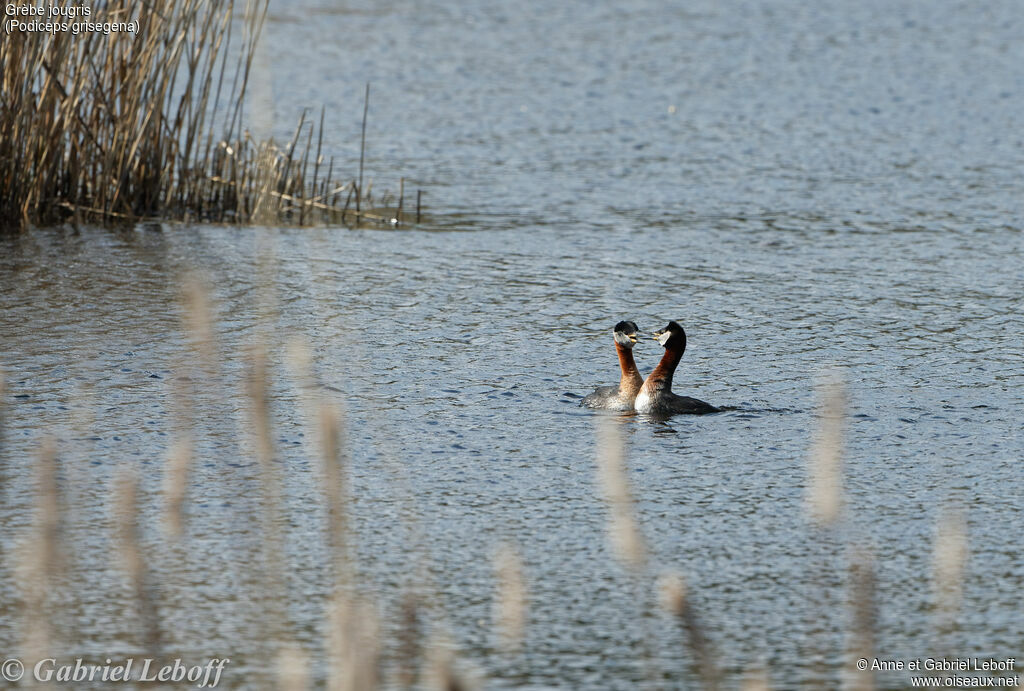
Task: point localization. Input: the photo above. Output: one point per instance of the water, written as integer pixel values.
(804, 188)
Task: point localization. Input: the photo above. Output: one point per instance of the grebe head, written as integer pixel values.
(625, 333)
(672, 336)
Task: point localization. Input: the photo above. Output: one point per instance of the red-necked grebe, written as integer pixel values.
(656, 395)
(620, 397)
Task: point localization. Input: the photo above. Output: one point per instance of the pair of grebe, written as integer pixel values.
(654, 394)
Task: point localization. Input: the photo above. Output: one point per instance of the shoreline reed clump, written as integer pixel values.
(148, 125)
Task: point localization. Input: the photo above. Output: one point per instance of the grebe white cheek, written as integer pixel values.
(628, 340)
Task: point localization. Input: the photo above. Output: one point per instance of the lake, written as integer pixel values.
(833, 188)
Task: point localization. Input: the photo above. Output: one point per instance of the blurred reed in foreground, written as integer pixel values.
(148, 125)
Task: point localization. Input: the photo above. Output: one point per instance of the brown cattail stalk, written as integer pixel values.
(3, 473)
(401, 199)
(756, 680)
(199, 321)
(273, 598)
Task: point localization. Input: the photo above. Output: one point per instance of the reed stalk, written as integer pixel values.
(140, 576)
(147, 125)
(510, 603)
(335, 488)
(176, 476)
(864, 619)
(362, 146)
(824, 503)
(824, 487)
(675, 598)
(948, 565)
(293, 669)
(623, 527)
(353, 644)
(270, 496)
(40, 562)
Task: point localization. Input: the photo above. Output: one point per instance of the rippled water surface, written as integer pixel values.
(804, 187)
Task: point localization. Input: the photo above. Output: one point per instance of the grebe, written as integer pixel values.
(620, 397)
(656, 395)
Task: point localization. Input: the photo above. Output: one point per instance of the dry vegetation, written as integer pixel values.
(123, 127)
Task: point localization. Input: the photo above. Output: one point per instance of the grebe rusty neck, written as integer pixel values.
(625, 338)
(673, 338)
(656, 397)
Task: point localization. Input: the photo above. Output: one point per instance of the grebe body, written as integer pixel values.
(620, 397)
(655, 396)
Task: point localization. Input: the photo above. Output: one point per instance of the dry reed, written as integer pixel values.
(510, 605)
(408, 642)
(147, 125)
(353, 644)
(675, 599)
(864, 619)
(40, 562)
(824, 487)
(141, 577)
(623, 528)
(335, 488)
(293, 669)
(270, 507)
(442, 672)
(824, 501)
(755, 680)
(629, 546)
(176, 475)
(949, 562)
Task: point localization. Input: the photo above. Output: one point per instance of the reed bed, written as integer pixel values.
(355, 654)
(147, 124)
